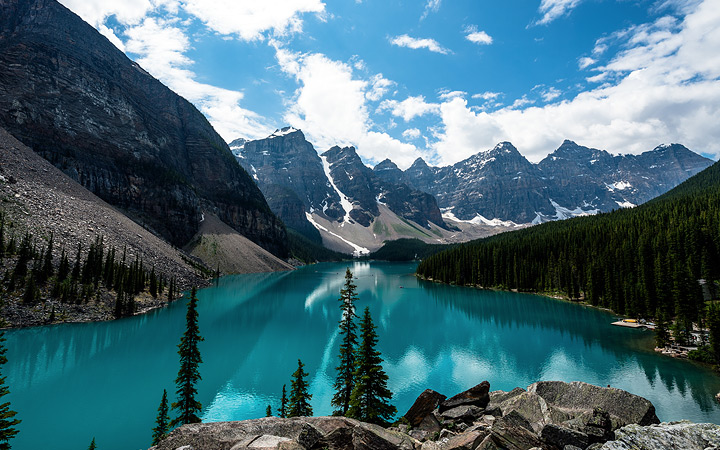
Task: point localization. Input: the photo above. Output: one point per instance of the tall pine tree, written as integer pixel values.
(370, 397)
(348, 341)
(7, 416)
(188, 375)
(299, 396)
(283, 403)
(162, 423)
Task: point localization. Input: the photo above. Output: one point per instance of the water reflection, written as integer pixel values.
(108, 377)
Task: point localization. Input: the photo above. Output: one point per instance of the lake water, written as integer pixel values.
(71, 383)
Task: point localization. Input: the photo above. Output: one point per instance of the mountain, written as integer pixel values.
(70, 95)
(500, 185)
(334, 197)
(649, 261)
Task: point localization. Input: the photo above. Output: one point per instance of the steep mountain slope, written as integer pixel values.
(335, 198)
(69, 94)
(501, 185)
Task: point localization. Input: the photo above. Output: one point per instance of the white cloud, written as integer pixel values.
(249, 19)
(161, 48)
(666, 89)
(411, 133)
(410, 108)
(330, 106)
(553, 9)
(416, 43)
(585, 62)
(447, 95)
(379, 87)
(550, 94)
(477, 37)
(487, 95)
(431, 6)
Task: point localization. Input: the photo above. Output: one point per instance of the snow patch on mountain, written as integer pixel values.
(625, 204)
(357, 250)
(478, 220)
(562, 213)
(283, 132)
(618, 186)
(344, 201)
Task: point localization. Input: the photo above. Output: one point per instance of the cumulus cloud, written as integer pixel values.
(379, 87)
(410, 108)
(411, 133)
(666, 89)
(550, 94)
(331, 108)
(487, 95)
(249, 19)
(417, 43)
(553, 9)
(478, 37)
(161, 48)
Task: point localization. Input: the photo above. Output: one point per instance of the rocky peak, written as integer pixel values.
(389, 171)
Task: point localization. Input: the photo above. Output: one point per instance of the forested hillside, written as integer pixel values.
(644, 262)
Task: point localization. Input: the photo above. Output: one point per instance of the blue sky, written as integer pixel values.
(440, 79)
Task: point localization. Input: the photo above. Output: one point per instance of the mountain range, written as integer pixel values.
(336, 198)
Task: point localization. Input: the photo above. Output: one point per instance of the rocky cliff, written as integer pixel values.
(335, 190)
(501, 185)
(69, 94)
(548, 415)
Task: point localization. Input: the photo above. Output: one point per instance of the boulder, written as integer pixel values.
(680, 435)
(419, 435)
(577, 398)
(599, 427)
(514, 433)
(464, 413)
(476, 396)
(430, 424)
(423, 406)
(533, 408)
(561, 436)
(497, 397)
(466, 441)
(333, 433)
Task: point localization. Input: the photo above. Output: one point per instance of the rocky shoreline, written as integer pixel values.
(548, 415)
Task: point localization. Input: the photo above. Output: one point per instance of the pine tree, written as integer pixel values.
(283, 403)
(713, 325)
(162, 423)
(47, 267)
(92, 445)
(662, 335)
(299, 396)
(370, 397)
(268, 411)
(7, 416)
(348, 341)
(153, 284)
(188, 375)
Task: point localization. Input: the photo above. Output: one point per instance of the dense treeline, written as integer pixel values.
(408, 250)
(309, 252)
(643, 262)
(34, 273)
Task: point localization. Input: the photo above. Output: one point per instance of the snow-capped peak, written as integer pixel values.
(283, 132)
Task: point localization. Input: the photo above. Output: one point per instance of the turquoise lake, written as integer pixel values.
(71, 383)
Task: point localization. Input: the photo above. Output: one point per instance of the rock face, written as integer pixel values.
(69, 94)
(574, 180)
(336, 185)
(684, 435)
(332, 433)
(475, 429)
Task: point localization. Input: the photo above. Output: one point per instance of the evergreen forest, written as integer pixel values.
(658, 260)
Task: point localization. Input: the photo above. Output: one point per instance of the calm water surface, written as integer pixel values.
(71, 383)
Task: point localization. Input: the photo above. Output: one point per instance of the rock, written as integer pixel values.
(420, 435)
(446, 434)
(465, 413)
(571, 447)
(514, 419)
(290, 445)
(477, 396)
(533, 408)
(676, 435)
(309, 436)
(497, 397)
(424, 405)
(575, 398)
(487, 444)
(267, 441)
(514, 437)
(599, 427)
(466, 441)
(560, 436)
(430, 424)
